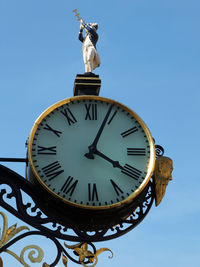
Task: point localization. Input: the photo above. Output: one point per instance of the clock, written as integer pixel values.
(90, 155)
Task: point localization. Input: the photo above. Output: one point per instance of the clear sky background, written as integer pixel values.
(150, 52)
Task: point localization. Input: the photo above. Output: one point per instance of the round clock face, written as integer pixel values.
(91, 152)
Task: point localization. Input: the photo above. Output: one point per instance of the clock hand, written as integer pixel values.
(113, 162)
(101, 127)
(92, 147)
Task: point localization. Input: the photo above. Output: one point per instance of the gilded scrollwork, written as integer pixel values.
(81, 250)
(9, 233)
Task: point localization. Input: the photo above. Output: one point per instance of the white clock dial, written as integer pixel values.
(91, 152)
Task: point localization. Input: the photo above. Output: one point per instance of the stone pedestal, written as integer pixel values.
(87, 84)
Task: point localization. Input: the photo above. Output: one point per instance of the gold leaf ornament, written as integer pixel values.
(99, 251)
(83, 253)
(45, 265)
(64, 260)
(9, 233)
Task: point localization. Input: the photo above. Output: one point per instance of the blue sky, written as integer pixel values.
(150, 62)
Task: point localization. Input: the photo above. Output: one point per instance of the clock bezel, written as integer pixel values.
(127, 200)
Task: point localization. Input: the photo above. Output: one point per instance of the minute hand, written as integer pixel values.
(94, 144)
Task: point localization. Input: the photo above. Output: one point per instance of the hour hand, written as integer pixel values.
(115, 163)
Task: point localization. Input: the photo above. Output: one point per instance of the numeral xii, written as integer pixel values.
(91, 111)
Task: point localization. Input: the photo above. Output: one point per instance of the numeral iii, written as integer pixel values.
(136, 151)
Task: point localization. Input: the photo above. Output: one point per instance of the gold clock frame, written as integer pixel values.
(151, 163)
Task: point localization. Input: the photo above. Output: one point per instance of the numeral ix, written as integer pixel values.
(46, 150)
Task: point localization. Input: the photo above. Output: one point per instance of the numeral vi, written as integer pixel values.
(92, 192)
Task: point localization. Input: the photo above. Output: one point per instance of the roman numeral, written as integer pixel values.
(136, 151)
(115, 112)
(116, 188)
(130, 131)
(52, 170)
(91, 111)
(69, 186)
(46, 150)
(69, 116)
(131, 172)
(49, 128)
(92, 192)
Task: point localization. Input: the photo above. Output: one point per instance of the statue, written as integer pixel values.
(90, 55)
(163, 174)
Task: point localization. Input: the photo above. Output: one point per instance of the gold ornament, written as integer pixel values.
(83, 253)
(8, 233)
(163, 174)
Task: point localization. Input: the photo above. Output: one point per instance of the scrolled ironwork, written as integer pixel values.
(12, 188)
(159, 151)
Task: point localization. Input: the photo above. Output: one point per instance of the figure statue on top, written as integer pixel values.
(90, 55)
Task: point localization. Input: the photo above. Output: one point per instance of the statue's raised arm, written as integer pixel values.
(90, 55)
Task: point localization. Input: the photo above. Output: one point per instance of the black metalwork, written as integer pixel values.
(41, 222)
(12, 189)
(14, 160)
(159, 150)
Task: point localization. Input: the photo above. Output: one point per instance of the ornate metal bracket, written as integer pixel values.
(13, 187)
